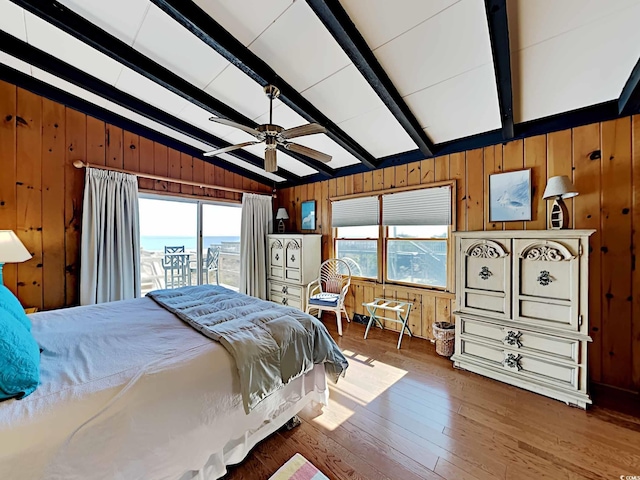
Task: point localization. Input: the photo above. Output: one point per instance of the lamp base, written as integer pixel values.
(559, 215)
(280, 226)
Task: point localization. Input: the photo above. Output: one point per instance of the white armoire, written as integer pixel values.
(522, 309)
(293, 261)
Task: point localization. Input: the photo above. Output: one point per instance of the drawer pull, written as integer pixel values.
(284, 289)
(544, 278)
(284, 301)
(293, 258)
(277, 256)
(513, 338)
(512, 361)
(485, 273)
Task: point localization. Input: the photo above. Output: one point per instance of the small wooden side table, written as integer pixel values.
(401, 309)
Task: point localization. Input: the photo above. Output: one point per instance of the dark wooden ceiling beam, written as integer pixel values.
(499, 35)
(629, 101)
(77, 26)
(198, 22)
(42, 60)
(337, 21)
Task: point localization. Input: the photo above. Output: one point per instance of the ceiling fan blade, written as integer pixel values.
(270, 164)
(302, 130)
(309, 152)
(244, 128)
(230, 148)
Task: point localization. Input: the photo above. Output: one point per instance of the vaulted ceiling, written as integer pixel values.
(391, 80)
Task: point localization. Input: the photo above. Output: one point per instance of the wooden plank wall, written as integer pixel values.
(603, 159)
(41, 192)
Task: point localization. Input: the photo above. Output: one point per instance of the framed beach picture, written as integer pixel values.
(510, 196)
(309, 215)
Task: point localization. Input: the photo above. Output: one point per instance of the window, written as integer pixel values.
(188, 242)
(404, 239)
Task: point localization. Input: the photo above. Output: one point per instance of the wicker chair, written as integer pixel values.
(328, 291)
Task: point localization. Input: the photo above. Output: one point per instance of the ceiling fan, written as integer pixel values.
(274, 135)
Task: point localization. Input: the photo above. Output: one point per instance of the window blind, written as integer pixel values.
(355, 212)
(426, 206)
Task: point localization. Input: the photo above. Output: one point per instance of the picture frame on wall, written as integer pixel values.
(308, 212)
(510, 198)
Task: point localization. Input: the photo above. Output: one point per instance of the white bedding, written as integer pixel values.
(130, 392)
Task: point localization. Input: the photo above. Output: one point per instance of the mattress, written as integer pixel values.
(128, 391)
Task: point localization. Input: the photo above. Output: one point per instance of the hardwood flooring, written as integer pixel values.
(410, 415)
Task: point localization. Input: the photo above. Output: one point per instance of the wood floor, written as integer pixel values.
(409, 415)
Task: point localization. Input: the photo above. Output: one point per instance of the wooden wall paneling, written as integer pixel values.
(210, 178)
(358, 183)
(428, 314)
(443, 309)
(228, 182)
(635, 243)
(413, 173)
(53, 199)
(96, 141)
(428, 170)
(219, 174)
(175, 167)
(327, 247)
(378, 179)
(358, 299)
(559, 145)
(475, 189)
(197, 175)
(587, 162)
(489, 159)
(131, 151)
(320, 204)
(186, 173)
(29, 195)
(389, 177)
(401, 175)
(146, 163)
(160, 165)
(348, 184)
(340, 186)
(76, 149)
(513, 159)
(8, 112)
(415, 316)
(367, 181)
(616, 243)
(441, 168)
(457, 171)
(535, 158)
(114, 140)
(237, 183)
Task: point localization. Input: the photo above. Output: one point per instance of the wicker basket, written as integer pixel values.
(445, 334)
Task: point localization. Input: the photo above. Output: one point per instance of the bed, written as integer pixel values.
(129, 391)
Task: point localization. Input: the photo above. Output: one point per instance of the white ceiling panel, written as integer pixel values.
(578, 68)
(15, 63)
(150, 92)
(380, 21)
(251, 168)
(164, 40)
(379, 132)
(247, 19)
(344, 95)
(121, 18)
(199, 117)
(12, 20)
(299, 48)
(462, 106)
(446, 45)
(532, 22)
(284, 161)
(240, 92)
(50, 39)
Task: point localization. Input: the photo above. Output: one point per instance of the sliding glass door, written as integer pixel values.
(188, 242)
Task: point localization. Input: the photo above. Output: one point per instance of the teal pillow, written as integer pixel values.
(19, 359)
(9, 303)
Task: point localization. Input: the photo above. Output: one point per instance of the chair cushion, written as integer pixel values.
(12, 306)
(19, 358)
(325, 299)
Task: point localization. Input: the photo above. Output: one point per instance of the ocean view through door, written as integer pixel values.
(188, 242)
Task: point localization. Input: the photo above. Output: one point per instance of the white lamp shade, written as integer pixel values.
(559, 186)
(282, 214)
(11, 248)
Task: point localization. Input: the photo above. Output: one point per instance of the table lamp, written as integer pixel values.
(11, 250)
(558, 188)
(281, 216)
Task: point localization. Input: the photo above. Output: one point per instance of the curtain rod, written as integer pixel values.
(81, 164)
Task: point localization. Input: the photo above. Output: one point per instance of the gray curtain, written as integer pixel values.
(257, 222)
(110, 249)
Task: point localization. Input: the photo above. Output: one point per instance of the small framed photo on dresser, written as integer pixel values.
(510, 196)
(308, 212)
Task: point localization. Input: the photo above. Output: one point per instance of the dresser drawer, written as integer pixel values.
(285, 289)
(286, 300)
(521, 340)
(521, 364)
(276, 272)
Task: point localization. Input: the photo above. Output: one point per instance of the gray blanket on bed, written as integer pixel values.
(270, 343)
